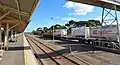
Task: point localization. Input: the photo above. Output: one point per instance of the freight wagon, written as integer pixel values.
(104, 32)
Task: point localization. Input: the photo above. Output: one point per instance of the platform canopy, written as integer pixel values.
(100, 3)
(16, 13)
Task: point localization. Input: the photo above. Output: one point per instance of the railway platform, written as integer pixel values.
(18, 53)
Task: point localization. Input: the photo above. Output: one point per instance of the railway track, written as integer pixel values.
(82, 57)
(34, 51)
(63, 60)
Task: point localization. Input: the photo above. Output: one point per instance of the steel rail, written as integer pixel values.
(44, 51)
(31, 46)
(57, 52)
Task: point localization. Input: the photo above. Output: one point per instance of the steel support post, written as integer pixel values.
(101, 25)
(105, 14)
(0, 37)
(0, 33)
(11, 35)
(6, 36)
(15, 36)
(118, 29)
(85, 31)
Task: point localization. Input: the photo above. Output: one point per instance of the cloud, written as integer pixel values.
(78, 8)
(69, 18)
(57, 17)
(65, 18)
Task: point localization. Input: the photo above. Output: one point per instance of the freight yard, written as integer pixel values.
(59, 32)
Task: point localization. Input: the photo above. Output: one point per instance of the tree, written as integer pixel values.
(69, 25)
(94, 22)
(80, 23)
(35, 32)
(57, 26)
(39, 31)
(71, 22)
(87, 23)
(45, 29)
(63, 27)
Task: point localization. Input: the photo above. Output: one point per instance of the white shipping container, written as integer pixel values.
(81, 31)
(60, 32)
(78, 31)
(107, 32)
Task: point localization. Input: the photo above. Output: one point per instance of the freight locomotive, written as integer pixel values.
(57, 33)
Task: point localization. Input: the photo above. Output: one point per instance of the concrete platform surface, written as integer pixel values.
(19, 53)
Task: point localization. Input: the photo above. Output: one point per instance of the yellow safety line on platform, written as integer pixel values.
(25, 58)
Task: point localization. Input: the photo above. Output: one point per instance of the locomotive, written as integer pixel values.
(57, 33)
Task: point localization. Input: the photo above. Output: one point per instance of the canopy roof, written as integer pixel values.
(16, 13)
(100, 3)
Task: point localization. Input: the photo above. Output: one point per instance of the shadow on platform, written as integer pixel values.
(18, 48)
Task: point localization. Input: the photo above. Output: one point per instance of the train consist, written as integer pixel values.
(98, 35)
(57, 33)
(104, 32)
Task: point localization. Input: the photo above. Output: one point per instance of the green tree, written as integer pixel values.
(87, 23)
(80, 23)
(57, 26)
(35, 32)
(45, 29)
(39, 31)
(72, 23)
(69, 25)
(63, 27)
(94, 22)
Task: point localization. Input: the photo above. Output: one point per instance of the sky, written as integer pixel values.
(61, 11)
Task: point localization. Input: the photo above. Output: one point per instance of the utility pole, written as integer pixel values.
(53, 31)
